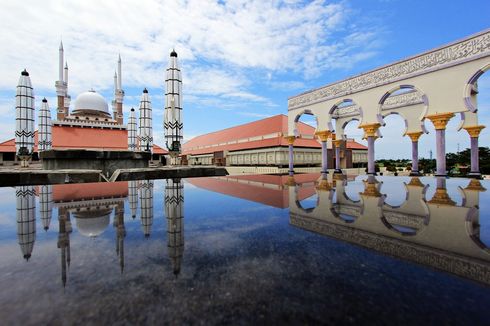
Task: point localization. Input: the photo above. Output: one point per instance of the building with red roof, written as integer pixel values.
(262, 143)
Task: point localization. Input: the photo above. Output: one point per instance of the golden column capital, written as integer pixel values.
(370, 129)
(290, 182)
(323, 185)
(440, 120)
(337, 142)
(415, 181)
(475, 185)
(441, 197)
(290, 139)
(414, 136)
(370, 190)
(474, 131)
(323, 135)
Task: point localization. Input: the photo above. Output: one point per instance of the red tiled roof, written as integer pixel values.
(259, 189)
(277, 124)
(65, 137)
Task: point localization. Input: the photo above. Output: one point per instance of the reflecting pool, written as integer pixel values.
(247, 249)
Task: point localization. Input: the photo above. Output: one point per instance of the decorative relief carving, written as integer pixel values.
(406, 99)
(397, 218)
(346, 111)
(437, 59)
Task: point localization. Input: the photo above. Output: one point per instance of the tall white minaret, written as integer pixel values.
(145, 125)
(173, 123)
(118, 93)
(174, 211)
(24, 127)
(60, 84)
(132, 132)
(67, 99)
(46, 203)
(26, 219)
(146, 200)
(44, 130)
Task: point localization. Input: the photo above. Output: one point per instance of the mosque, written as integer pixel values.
(89, 125)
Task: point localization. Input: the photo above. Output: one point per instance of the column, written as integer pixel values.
(323, 136)
(290, 140)
(370, 130)
(440, 121)
(414, 136)
(474, 132)
(337, 143)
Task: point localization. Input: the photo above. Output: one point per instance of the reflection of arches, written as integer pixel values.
(471, 89)
(298, 117)
(473, 228)
(404, 224)
(347, 218)
(299, 205)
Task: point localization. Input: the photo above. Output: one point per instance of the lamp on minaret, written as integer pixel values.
(119, 94)
(26, 219)
(45, 126)
(24, 127)
(132, 132)
(61, 86)
(145, 125)
(173, 123)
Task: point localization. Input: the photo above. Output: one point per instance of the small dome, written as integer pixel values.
(91, 101)
(91, 225)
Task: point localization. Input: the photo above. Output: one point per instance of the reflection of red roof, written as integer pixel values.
(87, 191)
(65, 137)
(250, 135)
(265, 189)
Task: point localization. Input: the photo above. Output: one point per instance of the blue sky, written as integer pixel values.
(240, 60)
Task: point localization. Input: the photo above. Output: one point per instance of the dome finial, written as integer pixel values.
(173, 53)
(145, 90)
(24, 73)
(45, 100)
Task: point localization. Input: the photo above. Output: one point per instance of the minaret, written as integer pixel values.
(114, 103)
(174, 211)
(146, 199)
(24, 127)
(173, 123)
(61, 86)
(119, 94)
(132, 132)
(67, 99)
(133, 197)
(46, 203)
(44, 129)
(145, 125)
(26, 219)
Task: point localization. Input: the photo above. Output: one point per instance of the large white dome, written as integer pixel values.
(91, 100)
(93, 223)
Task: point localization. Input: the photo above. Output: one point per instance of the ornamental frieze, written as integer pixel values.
(437, 59)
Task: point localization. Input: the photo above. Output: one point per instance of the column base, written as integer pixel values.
(415, 174)
(475, 175)
(324, 172)
(440, 175)
(371, 173)
(337, 171)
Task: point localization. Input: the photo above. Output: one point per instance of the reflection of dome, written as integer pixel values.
(93, 223)
(91, 101)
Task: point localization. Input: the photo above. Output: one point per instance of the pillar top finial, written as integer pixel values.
(414, 135)
(474, 131)
(323, 135)
(370, 129)
(440, 120)
(290, 139)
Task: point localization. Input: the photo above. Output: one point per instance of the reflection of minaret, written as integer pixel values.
(46, 205)
(26, 219)
(146, 199)
(121, 233)
(64, 241)
(174, 211)
(133, 197)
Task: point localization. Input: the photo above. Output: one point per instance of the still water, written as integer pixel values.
(247, 249)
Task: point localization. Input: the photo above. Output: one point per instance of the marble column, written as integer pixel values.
(370, 132)
(474, 132)
(440, 121)
(323, 136)
(290, 140)
(414, 136)
(337, 143)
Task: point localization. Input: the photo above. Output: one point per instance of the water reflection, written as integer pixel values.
(431, 231)
(91, 206)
